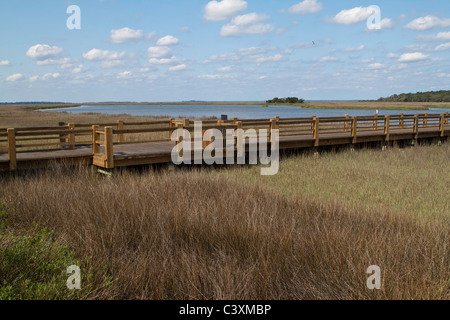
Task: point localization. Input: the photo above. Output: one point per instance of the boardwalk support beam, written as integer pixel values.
(316, 135)
(274, 125)
(12, 156)
(72, 141)
(109, 147)
(387, 120)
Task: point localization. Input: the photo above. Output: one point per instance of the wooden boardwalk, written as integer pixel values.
(141, 143)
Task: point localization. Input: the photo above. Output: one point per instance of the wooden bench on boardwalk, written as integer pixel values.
(122, 143)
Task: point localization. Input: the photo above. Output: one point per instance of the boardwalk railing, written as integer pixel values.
(316, 131)
(14, 141)
(103, 141)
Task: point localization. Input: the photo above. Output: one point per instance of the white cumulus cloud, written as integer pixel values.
(360, 48)
(223, 10)
(376, 66)
(107, 59)
(49, 76)
(159, 52)
(248, 24)
(62, 61)
(329, 59)
(5, 63)
(98, 55)
(167, 41)
(360, 14)
(352, 16)
(126, 35)
(170, 60)
(386, 23)
(225, 69)
(124, 75)
(413, 56)
(43, 52)
(14, 77)
(178, 67)
(274, 58)
(306, 6)
(444, 46)
(441, 36)
(78, 69)
(427, 23)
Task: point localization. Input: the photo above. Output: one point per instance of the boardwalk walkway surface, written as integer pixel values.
(126, 144)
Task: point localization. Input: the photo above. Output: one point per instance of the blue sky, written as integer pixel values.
(228, 50)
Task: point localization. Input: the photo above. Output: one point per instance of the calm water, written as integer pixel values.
(234, 111)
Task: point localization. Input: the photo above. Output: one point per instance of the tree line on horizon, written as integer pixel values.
(430, 96)
(290, 100)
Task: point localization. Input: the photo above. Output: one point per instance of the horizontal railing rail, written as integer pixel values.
(103, 137)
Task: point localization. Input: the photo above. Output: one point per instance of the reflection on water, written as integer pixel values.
(234, 111)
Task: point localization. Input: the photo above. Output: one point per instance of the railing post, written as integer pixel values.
(416, 126)
(354, 129)
(186, 123)
(12, 155)
(223, 130)
(425, 120)
(120, 126)
(274, 125)
(441, 125)
(375, 122)
(72, 136)
(387, 122)
(312, 124)
(401, 121)
(109, 147)
(180, 139)
(446, 119)
(346, 122)
(240, 148)
(316, 131)
(95, 140)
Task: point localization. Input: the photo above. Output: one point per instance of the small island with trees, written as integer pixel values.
(289, 100)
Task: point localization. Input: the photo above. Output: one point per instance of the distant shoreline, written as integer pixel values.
(365, 105)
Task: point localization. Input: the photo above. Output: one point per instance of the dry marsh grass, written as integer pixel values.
(200, 235)
(25, 116)
(415, 180)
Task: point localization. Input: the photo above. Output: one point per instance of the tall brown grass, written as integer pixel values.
(200, 235)
(414, 181)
